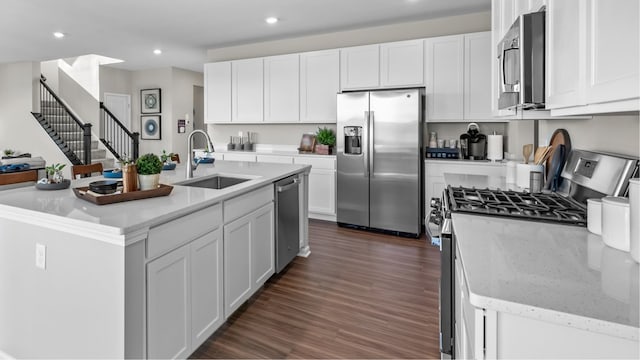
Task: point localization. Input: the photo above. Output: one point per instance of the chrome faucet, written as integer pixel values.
(190, 164)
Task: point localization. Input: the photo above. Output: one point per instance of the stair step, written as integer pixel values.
(95, 154)
(78, 144)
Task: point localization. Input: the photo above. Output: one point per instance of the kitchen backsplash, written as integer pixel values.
(454, 130)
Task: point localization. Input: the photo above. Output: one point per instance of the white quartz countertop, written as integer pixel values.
(63, 209)
(464, 161)
(551, 272)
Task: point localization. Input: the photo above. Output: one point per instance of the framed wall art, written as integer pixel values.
(150, 126)
(150, 101)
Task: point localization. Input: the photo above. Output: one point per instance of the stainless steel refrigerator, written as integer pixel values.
(380, 160)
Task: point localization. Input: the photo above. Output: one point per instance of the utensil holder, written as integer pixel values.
(523, 174)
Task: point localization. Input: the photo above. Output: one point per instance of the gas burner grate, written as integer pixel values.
(522, 205)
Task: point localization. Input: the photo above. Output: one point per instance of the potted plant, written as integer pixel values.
(325, 139)
(54, 173)
(167, 163)
(149, 167)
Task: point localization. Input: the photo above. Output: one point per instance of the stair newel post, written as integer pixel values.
(136, 145)
(87, 143)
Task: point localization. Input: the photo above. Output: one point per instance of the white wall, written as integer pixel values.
(182, 104)
(19, 130)
(81, 102)
(608, 133)
(113, 80)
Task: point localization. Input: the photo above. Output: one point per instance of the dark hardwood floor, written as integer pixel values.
(358, 295)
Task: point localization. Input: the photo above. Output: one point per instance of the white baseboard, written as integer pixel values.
(322, 217)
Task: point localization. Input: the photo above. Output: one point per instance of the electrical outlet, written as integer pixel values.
(41, 256)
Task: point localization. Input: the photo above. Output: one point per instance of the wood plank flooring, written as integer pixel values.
(359, 295)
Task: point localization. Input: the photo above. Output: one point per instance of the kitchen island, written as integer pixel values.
(539, 290)
(149, 278)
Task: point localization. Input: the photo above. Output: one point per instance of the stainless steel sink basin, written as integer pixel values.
(216, 182)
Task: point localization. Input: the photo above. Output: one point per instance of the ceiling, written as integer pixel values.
(184, 29)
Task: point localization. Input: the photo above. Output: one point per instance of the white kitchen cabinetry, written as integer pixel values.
(319, 84)
(445, 78)
(275, 159)
(184, 299)
(281, 88)
(434, 171)
(360, 67)
(477, 76)
(402, 63)
(239, 156)
(458, 78)
(248, 246)
(247, 90)
(567, 70)
(322, 187)
(593, 57)
(217, 92)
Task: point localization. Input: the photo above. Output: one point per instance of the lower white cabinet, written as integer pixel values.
(248, 256)
(184, 298)
(322, 186)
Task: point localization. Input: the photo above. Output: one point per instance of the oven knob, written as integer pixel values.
(436, 203)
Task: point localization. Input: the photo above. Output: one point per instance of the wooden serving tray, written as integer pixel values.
(81, 193)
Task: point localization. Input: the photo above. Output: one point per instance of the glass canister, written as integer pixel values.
(433, 140)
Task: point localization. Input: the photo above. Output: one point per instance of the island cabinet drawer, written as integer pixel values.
(172, 234)
(244, 204)
(316, 162)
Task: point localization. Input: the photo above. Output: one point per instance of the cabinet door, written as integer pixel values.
(507, 14)
(322, 191)
(247, 90)
(566, 20)
(445, 77)
(614, 33)
(168, 301)
(262, 247)
(217, 92)
(360, 67)
(477, 76)
(281, 89)
(402, 63)
(319, 84)
(207, 312)
(237, 264)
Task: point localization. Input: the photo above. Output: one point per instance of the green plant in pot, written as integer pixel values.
(148, 167)
(54, 173)
(325, 140)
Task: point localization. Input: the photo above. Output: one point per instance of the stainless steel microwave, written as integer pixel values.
(521, 64)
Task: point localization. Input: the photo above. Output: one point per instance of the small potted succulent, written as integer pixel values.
(149, 167)
(325, 140)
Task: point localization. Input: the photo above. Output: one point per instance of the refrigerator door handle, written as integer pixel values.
(372, 121)
(365, 145)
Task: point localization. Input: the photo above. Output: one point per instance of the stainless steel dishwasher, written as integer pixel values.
(287, 221)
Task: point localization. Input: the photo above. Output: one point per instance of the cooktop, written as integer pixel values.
(550, 207)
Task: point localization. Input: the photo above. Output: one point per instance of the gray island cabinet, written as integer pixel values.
(151, 278)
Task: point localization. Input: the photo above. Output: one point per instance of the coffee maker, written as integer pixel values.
(473, 144)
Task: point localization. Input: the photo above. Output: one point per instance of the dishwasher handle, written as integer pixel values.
(288, 186)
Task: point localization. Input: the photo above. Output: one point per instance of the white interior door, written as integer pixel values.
(120, 106)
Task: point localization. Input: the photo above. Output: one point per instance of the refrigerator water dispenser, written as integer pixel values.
(353, 140)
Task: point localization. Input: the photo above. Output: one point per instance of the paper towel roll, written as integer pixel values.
(494, 147)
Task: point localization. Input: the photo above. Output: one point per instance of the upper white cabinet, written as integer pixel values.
(402, 64)
(319, 84)
(247, 90)
(458, 77)
(477, 76)
(360, 67)
(387, 65)
(593, 56)
(217, 92)
(445, 77)
(281, 88)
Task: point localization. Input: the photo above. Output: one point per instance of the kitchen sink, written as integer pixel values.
(216, 182)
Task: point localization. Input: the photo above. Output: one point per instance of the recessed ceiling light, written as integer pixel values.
(271, 20)
(157, 51)
(58, 34)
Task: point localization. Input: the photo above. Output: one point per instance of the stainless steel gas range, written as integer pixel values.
(585, 175)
